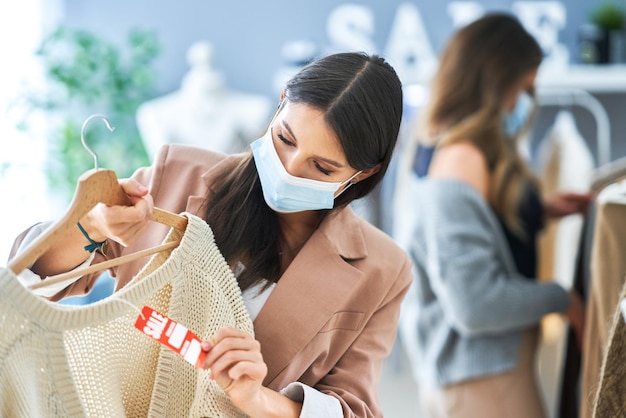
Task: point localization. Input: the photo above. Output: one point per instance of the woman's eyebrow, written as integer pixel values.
(326, 160)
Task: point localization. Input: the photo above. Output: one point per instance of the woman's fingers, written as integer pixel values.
(567, 203)
(234, 357)
(256, 370)
(125, 224)
(229, 346)
(133, 187)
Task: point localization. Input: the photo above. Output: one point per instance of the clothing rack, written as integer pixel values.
(572, 96)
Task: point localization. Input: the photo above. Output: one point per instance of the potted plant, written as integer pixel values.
(85, 74)
(610, 19)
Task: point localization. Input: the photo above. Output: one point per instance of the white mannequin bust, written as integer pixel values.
(203, 112)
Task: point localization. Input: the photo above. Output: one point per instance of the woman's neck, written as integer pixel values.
(298, 227)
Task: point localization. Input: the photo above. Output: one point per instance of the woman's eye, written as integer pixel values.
(284, 140)
(322, 169)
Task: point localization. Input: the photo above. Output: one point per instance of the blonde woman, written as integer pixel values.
(474, 309)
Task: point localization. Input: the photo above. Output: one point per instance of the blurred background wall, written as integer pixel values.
(248, 35)
(248, 38)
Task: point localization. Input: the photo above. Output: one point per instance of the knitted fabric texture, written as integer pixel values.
(611, 394)
(76, 361)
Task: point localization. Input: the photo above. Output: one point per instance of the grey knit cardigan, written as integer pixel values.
(465, 313)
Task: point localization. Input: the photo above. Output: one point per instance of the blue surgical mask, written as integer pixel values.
(286, 193)
(516, 119)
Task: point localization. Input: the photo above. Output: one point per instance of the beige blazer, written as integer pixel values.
(332, 318)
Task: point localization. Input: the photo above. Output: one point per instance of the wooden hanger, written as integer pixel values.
(95, 186)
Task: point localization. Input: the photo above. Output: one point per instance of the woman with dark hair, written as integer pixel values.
(472, 316)
(322, 286)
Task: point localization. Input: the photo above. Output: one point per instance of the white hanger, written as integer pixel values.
(609, 173)
(94, 186)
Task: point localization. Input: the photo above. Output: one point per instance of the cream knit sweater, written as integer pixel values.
(74, 361)
(610, 398)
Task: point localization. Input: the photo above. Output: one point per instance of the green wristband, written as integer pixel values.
(94, 245)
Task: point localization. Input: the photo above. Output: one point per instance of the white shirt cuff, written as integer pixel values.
(314, 403)
(28, 278)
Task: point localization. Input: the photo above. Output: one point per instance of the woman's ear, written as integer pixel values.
(282, 97)
(366, 173)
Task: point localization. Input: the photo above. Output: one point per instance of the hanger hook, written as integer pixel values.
(82, 135)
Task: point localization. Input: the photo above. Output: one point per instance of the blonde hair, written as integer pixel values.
(478, 69)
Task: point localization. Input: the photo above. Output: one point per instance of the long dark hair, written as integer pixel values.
(361, 97)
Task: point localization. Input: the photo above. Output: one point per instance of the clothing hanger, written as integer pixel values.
(608, 173)
(94, 186)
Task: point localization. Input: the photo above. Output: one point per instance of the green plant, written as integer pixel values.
(86, 74)
(608, 16)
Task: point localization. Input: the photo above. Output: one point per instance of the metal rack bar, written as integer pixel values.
(571, 96)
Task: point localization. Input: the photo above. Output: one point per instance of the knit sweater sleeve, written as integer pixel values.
(461, 248)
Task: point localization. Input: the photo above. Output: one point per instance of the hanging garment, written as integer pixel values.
(610, 399)
(569, 404)
(565, 163)
(608, 269)
(75, 361)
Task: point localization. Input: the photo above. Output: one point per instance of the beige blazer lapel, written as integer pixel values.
(310, 292)
(195, 205)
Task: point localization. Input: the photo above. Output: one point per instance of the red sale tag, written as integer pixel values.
(171, 334)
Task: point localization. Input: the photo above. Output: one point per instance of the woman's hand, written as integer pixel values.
(568, 203)
(236, 364)
(123, 224)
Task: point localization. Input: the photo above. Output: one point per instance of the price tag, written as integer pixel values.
(171, 334)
